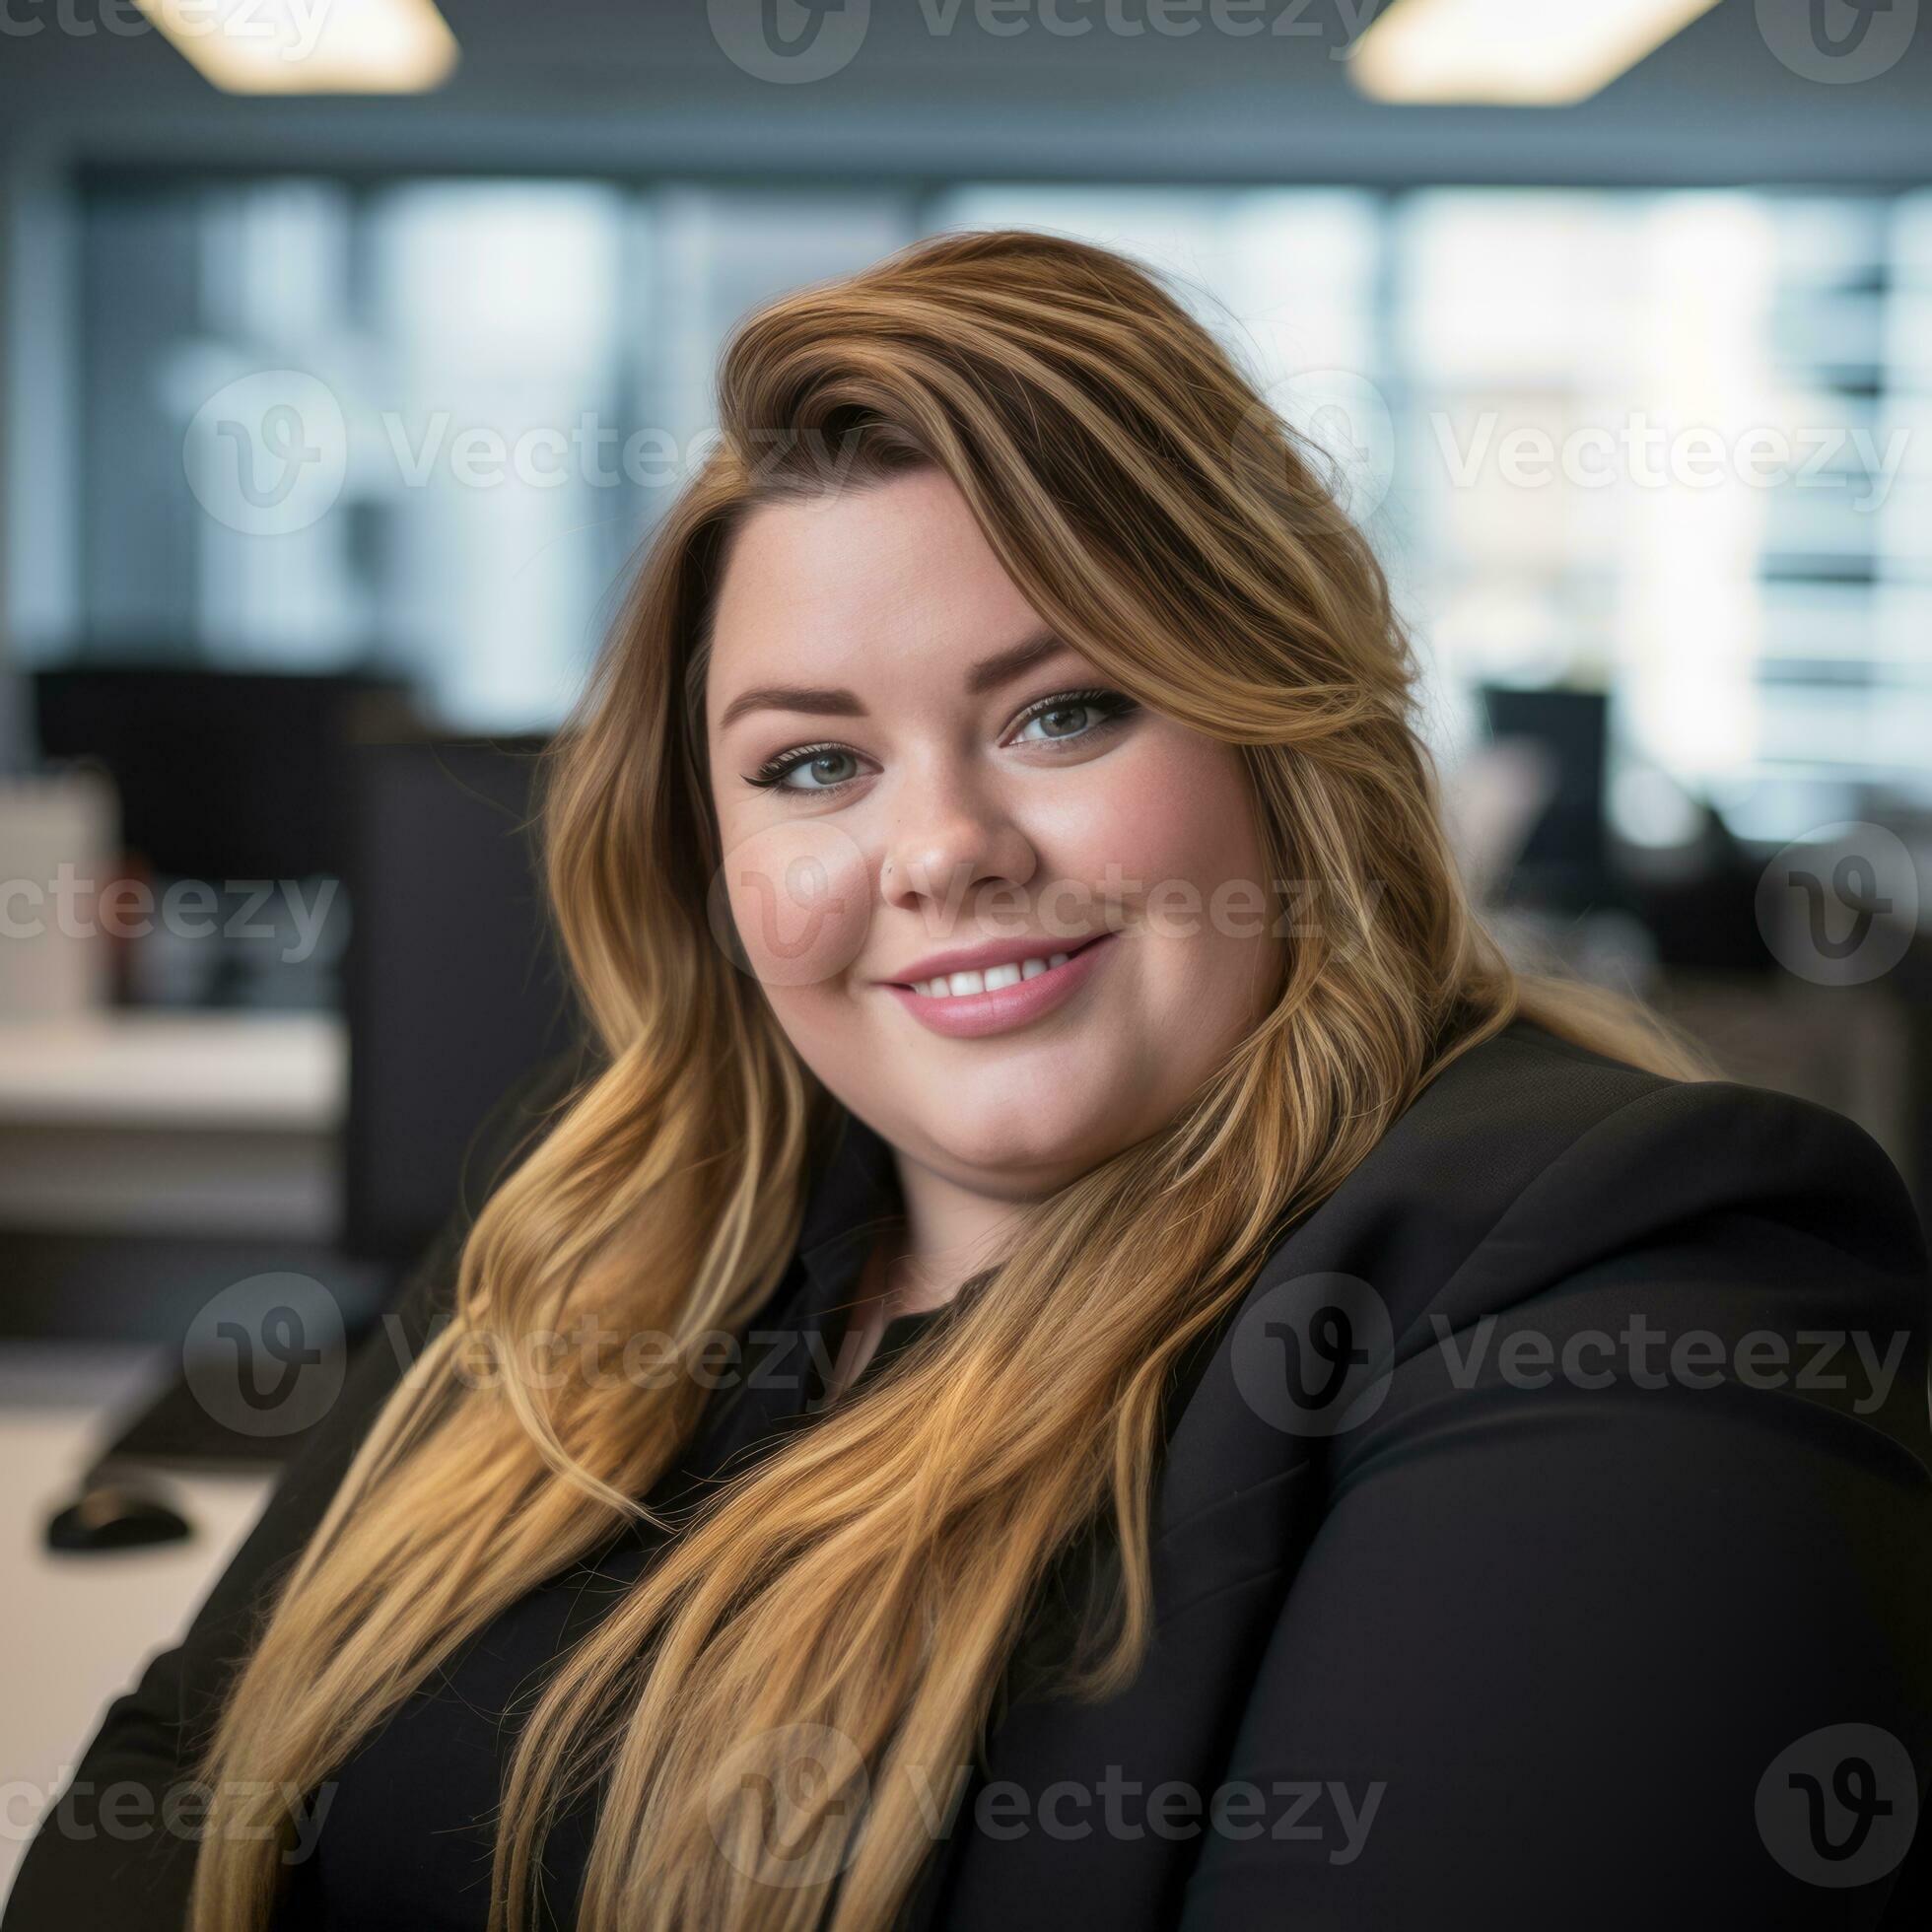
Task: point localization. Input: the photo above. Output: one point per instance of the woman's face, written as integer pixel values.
(1008, 917)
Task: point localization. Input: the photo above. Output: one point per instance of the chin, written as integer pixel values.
(1025, 1143)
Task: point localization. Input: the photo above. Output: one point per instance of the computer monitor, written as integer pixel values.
(1564, 864)
(454, 985)
(222, 775)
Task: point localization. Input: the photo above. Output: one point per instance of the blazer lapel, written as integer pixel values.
(1092, 1813)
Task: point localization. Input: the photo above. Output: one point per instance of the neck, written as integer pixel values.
(946, 1235)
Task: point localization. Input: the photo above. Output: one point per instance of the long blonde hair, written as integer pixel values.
(870, 1577)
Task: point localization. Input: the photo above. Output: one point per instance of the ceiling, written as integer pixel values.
(589, 84)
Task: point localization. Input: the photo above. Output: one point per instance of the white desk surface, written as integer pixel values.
(81, 1628)
(158, 1067)
(161, 1122)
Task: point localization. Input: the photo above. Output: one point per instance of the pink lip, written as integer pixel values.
(974, 1015)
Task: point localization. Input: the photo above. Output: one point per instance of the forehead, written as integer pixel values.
(892, 576)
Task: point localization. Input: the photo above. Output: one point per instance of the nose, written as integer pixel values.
(948, 840)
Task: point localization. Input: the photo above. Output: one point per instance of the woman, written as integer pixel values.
(1077, 1348)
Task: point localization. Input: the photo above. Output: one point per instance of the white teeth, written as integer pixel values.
(951, 986)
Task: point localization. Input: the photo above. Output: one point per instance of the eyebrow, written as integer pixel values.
(835, 701)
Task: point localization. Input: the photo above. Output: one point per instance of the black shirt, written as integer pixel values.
(401, 1835)
(1624, 1530)
(406, 1839)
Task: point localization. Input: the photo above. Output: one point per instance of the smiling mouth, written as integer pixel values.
(989, 999)
(994, 979)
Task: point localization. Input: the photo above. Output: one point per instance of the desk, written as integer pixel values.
(81, 1628)
(161, 1122)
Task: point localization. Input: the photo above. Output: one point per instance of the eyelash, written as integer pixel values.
(1112, 705)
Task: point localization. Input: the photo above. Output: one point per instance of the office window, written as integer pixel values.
(1667, 443)
(512, 378)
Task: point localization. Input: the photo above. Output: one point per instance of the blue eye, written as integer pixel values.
(1062, 721)
(827, 769)
(1071, 714)
(818, 770)
(810, 768)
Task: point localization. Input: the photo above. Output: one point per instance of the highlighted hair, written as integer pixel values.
(871, 1576)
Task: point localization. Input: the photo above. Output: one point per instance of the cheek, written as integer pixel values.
(1182, 827)
(799, 901)
(1176, 821)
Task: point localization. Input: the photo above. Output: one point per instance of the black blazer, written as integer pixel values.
(1543, 1541)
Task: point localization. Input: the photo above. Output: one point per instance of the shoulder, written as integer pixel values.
(1636, 1158)
(1530, 1156)
(1586, 1424)
(1542, 1215)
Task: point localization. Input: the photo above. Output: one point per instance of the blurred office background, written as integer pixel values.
(331, 422)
